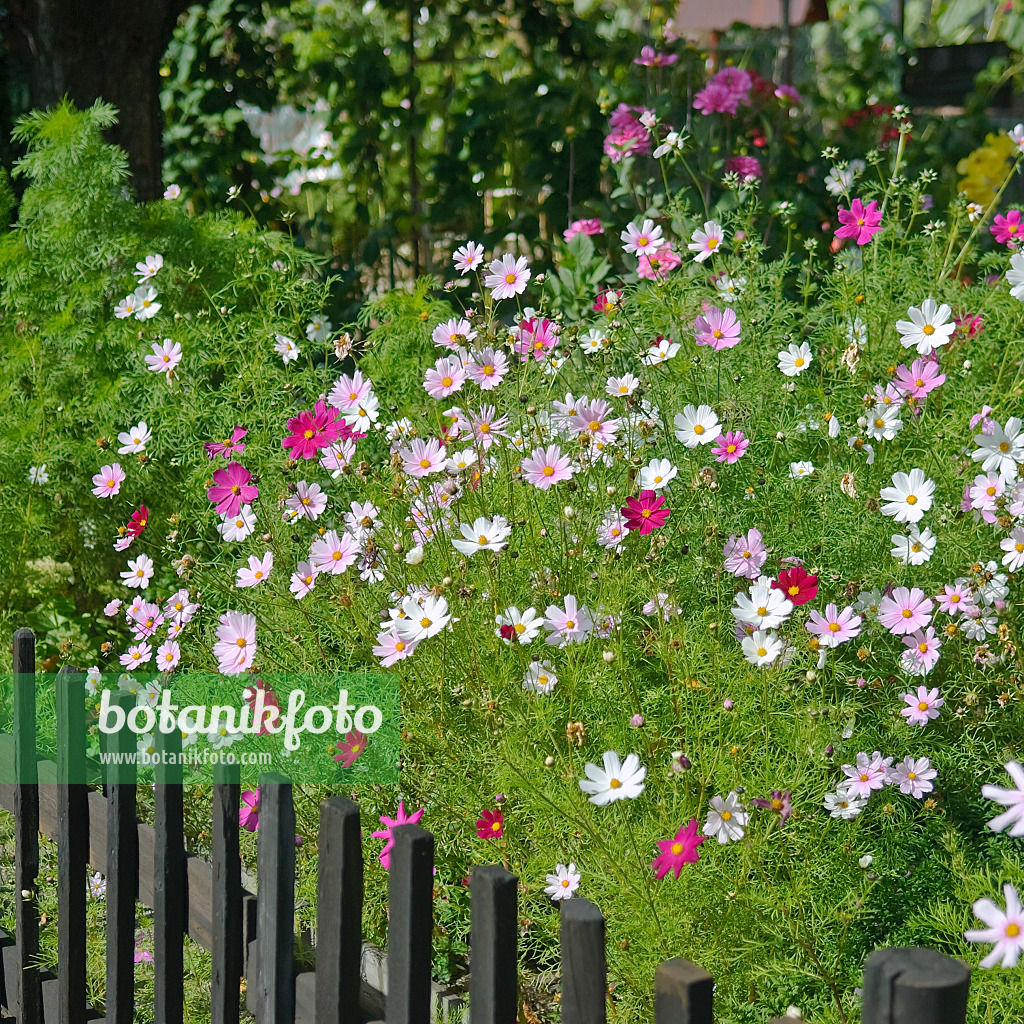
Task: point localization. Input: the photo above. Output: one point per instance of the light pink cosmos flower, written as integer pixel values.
(139, 572)
(423, 457)
(730, 447)
(704, 243)
(649, 58)
(445, 377)
(1005, 930)
(112, 607)
(487, 427)
(924, 647)
(718, 328)
(235, 648)
(231, 489)
(391, 647)
(256, 572)
(658, 265)
(349, 393)
(906, 611)
(745, 554)
(168, 655)
(922, 707)
(453, 333)
(302, 580)
(913, 776)
(545, 467)
(571, 625)
(308, 500)
(232, 445)
(507, 277)
(860, 222)
(468, 257)
(622, 387)
(954, 598)
(867, 775)
(487, 368)
(401, 818)
(643, 240)
(592, 419)
(166, 356)
(834, 627)
(333, 554)
(1013, 818)
(107, 482)
(137, 654)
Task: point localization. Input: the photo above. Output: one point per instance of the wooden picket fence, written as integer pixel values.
(253, 937)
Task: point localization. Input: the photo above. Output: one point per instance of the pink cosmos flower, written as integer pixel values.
(924, 646)
(535, 337)
(746, 167)
(679, 850)
(860, 222)
(1007, 230)
(302, 580)
(231, 489)
(490, 824)
(834, 627)
(445, 377)
(591, 226)
(717, 98)
(468, 257)
(986, 491)
(592, 419)
(137, 654)
(745, 554)
(627, 136)
(646, 513)
(235, 648)
(391, 647)
(913, 776)
(312, 430)
(954, 598)
(969, 324)
(333, 554)
(453, 333)
(718, 328)
(922, 377)
(923, 706)
(350, 748)
(867, 775)
(349, 393)
(571, 624)
(545, 467)
(906, 611)
(736, 79)
(487, 368)
(487, 427)
(730, 447)
(308, 500)
(107, 482)
(229, 446)
(988, 425)
(777, 801)
(166, 356)
(650, 59)
(401, 818)
(789, 95)
(256, 572)
(657, 266)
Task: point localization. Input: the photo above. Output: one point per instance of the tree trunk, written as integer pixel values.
(100, 49)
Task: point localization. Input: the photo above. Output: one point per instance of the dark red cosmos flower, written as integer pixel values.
(797, 584)
(490, 825)
(139, 521)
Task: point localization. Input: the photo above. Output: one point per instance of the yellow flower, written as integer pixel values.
(985, 170)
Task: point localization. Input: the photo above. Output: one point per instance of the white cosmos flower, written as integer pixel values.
(563, 883)
(483, 535)
(915, 548)
(726, 819)
(798, 470)
(1013, 799)
(696, 426)
(540, 677)
(238, 527)
(1015, 276)
(764, 607)
(526, 626)
(135, 439)
(1001, 451)
(645, 239)
(884, 422)
(795, 359)
(909, 497)
(928, 328)
(617, 781)
(761, 648)
(657, 474)
(841, 804)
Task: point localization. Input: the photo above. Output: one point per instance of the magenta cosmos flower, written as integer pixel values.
(745, 166)
(860, 222)
(922, 376)
(718, 328)
(231, 489)
(229, 446)
(490, 825)
(249, 812)
(777, 801)
(730, 447)
(679, 850)
(1007, 230)
(312, 430)
(646, 513)
(350, 748)
(717, 98)
(401, 818)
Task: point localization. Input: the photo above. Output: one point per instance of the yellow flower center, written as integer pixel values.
(424, 463)
(726, 815)
(833, 627)
(447, 382)
(308, 434)
(481, 539)
(1004, 446)
(906, 613)
(549, 471)
(911, 499)
(399, 646)
(496, 826)
(614, 784)
(510, 279)
(798, 362)
(928, 329)
(1012, 931)
(677, 848)
(762, 653)
(712, 243)
(699, 428)
(923, 648)
(777, 805)
(425, 623)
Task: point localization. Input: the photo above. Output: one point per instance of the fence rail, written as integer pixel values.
(252, 938)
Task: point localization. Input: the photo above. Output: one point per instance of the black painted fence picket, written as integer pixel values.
(253, 938)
